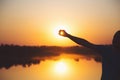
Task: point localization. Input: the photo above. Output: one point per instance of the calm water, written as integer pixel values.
(82, 69)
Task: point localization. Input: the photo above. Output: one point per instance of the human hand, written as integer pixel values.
(63, 33)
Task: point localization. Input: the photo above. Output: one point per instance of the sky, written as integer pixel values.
(36, 22)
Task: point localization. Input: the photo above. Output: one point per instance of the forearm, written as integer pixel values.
(81, 41)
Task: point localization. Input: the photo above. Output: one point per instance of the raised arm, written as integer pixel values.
(77, 40)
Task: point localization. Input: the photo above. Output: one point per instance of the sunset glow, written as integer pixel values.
(61, 68)
(61, 33)
(60, 27)
(52, 39)
(25, 22)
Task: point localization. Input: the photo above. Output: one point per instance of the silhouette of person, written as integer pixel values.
(110, 54)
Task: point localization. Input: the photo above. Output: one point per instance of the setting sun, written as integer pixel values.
(61, 33)
(61, 68)
(60, 27)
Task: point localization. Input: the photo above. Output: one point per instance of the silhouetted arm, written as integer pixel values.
(81, 41)
(77, 40)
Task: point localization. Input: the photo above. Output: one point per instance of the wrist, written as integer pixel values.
(68, 35)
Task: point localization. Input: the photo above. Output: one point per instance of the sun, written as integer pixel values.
(60, 27)
(61, 68)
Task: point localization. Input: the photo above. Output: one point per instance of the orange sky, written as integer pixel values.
(33, 22)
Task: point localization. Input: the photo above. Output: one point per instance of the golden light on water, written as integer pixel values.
(61, 68)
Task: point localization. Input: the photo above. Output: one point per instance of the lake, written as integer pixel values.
(62, 67)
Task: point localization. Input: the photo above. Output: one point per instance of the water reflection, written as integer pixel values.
(76, 70)
(11, 55)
